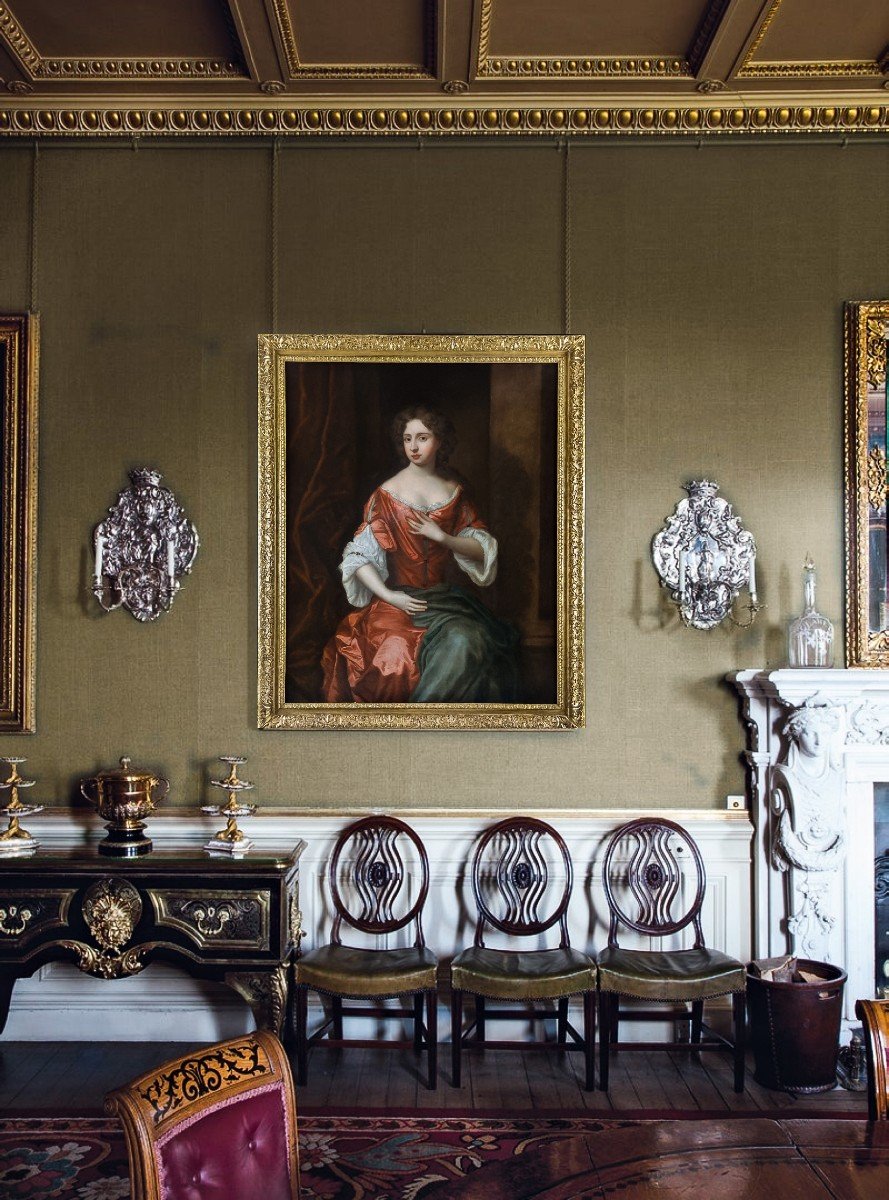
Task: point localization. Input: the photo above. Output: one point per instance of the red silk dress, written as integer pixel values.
(372, 657)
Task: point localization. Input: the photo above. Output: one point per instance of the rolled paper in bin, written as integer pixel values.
(795, 1028)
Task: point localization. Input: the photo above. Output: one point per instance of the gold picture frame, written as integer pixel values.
(329, 406)
(866, 441)
(18, 520)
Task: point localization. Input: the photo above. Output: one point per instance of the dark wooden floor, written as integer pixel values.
(73, 1077)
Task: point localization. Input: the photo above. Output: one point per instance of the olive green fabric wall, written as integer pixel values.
(709, 284)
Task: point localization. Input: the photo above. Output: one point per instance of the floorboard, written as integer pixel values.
(73, 1077)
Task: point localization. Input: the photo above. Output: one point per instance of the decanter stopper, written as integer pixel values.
(810, 641)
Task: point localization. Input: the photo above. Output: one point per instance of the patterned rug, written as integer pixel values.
(342, 1158)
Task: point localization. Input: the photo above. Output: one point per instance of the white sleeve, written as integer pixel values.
(363, 549)
(485, 572)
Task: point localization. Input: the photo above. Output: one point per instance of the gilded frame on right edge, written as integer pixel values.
(18, 519)
(866, 441)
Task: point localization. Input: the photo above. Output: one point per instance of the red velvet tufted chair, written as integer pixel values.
(219, 1124)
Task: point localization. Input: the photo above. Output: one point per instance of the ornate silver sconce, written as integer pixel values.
(704, 558)
(142, 548)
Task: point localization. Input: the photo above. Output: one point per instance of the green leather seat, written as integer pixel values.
(652, 866)
(353, 972)
(512, 880)
(523, 974)
(378, 879)
(681, 975)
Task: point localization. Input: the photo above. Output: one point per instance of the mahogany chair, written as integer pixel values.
(218, 1124)
(511, 882)
(657, 864)
(378, 877)
(874, 1016)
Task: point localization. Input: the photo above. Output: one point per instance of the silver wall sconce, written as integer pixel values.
(142, 548)
(704, 558)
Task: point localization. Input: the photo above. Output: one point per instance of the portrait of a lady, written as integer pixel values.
(412, 636)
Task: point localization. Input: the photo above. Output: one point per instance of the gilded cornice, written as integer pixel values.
(675, 120)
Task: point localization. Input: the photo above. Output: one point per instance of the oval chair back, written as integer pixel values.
(663, 872)
(512, 879)
(369, 878)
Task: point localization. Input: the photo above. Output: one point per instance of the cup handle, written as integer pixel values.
(159, 779)
(84, 784)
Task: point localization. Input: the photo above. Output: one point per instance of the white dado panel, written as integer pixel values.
(162, 1004)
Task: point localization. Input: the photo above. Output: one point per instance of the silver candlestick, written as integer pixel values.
(14, 839)
(231, 840)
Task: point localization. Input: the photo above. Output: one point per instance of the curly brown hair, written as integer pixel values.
(436, 422)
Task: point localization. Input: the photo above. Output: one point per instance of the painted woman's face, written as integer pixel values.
(420, 444)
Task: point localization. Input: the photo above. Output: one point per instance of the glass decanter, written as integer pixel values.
(810, 642)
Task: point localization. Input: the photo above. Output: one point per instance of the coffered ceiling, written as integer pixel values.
(442, 66)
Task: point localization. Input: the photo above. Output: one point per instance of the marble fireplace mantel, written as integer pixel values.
(817, 742)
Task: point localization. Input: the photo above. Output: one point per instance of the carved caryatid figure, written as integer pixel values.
(809, 838)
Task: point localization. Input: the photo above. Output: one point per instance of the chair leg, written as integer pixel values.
(337, 1018)
(604, 1038)
(302, 1021)
(456, 1034)
(432, 1036)
(480, 1018)
(562, 1029)
(697, 1020)
(418, 1022)
(589, 1037)
(739, 1013)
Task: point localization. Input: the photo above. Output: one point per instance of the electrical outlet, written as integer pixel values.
(735, 803)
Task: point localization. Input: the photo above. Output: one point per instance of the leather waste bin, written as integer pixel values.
(795, 1028)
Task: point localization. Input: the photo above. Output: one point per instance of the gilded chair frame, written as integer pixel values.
(874, 1016)
(174, 1095)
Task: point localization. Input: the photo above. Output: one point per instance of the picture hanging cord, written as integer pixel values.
(274, 234)
(32, 249)
(566, 235)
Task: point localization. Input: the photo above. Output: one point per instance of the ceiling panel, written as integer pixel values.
(357, 38)
(805, 37)
(573, 39)
(112, 39)
(578, 27)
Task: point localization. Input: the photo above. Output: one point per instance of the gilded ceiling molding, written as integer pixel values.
(810, 70)
(569, 66)
(302, 70)
(18, 41)
(695, 120)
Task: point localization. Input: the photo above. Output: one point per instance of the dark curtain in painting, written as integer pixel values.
(321, 516)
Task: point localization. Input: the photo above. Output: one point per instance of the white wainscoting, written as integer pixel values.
(163, 1004)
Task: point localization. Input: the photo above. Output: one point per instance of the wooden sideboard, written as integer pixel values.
(232, 919)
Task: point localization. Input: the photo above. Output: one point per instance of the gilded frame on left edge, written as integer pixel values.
(328, 407)
(18, 520)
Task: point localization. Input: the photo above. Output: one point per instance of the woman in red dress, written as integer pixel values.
(413, 637)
